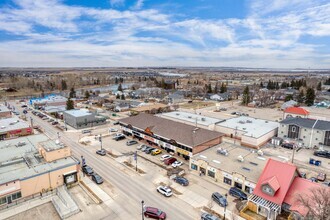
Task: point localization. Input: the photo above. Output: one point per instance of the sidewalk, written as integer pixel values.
(96, 191)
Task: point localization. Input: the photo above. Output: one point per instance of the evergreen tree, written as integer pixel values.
(288, 98)
(116, 80)
(177, 82)
(246, 96)
(72, 93)
(261, 85)
(319, 86)
(310, 97)
(277, 86)
(69, 104)
(122, 97)
(209, 89)
(216, 88)
(63, 85)
(117, 96)
(327, 81)
(87, 95)
(300, 97)
(162, 85)
(120, 87)
(223, 88)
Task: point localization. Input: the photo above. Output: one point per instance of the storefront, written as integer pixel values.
(227, 178)
(70, 177)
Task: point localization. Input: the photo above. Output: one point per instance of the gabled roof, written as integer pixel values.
(297, 111)
(284, 174)
(299, 186)
(308, 123)
(272, 182)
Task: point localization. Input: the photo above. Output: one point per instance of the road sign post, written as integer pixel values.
(135, 158)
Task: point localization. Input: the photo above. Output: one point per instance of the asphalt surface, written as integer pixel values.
(132, 188)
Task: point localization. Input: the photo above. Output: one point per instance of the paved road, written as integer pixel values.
(131, 190)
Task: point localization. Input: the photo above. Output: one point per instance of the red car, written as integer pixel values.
(155, 213)
(169, 161)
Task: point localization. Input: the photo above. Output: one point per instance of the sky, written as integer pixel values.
(141, 33)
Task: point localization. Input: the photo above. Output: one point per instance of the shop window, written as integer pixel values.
(238, 185)
(3, 200)
(227, 181)
(194, 166)
(211, 173)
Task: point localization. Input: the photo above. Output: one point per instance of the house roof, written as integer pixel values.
(308, 123)
(272, 182)
(283, 172)
(299, 185)
(296, 111)
(181, 133)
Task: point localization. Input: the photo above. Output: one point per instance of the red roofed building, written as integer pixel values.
(276, 189)
(296, 112)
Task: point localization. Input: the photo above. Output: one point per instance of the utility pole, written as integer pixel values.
(235, 135)
(135, 158)
(100, 139)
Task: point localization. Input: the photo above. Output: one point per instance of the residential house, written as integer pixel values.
(295, 112)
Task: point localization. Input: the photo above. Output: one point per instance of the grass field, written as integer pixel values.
(197, 105)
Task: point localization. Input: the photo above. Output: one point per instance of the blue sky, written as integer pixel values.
(242, 33)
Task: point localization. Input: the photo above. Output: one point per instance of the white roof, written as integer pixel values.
(78, 112)
(10, 124)
(189, 117)
(252, 127)
(4, 108)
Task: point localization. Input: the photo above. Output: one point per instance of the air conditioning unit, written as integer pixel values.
(203, 119)
(260, 152)
(240, 158)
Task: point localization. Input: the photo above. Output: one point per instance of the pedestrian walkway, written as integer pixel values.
(64, 203)
(96, 190)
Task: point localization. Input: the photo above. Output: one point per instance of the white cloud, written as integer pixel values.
(138, 5)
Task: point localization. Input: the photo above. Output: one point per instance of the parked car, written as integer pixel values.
(119, 137)
(207, 216)
(116, 123)
(233, 113)
(322, 153)
(313, 179)
(87, 170)
(164, 157)
(113, 129)
(97, 178)
(24, 106)
(220, 199)
(144, 148)
(177, 163)
(164, 190)
(149, 150)
(154, 213)
(236, 192)
(51, 120)
(101, 152)
(321, 177)
(86, 131)
(131, 142)
(169, 161)
(54, 123)
(326, 183)
(156, 152)
(287, 146)
(181, 180)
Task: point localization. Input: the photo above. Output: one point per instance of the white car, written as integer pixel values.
(113, 129)
(164, 190)
(164, 157)
(117, 135)
(176, 164)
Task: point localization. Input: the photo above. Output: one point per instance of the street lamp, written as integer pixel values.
(142, 203)
(224, 213)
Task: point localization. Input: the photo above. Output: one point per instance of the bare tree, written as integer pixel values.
(316, 201)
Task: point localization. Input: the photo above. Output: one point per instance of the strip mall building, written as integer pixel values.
(182, 139)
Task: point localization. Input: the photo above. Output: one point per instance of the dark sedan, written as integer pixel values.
(220, 199)
(322, 153)
(97, 178)
(181, 180)
(87, 170)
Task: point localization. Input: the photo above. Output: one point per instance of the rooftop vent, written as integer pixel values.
(240, 158)
(260, 152)
(189, 116)
(248, 121)
(21, 143)
(203, 119)
(241, 122)
(266, 121)
(222, 151)
(177, 113)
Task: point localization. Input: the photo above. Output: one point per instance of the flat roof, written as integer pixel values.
(51, 145)
(251, 167)
(190, 117)
(78, 112)
(252, 127)
(181, 133)
(20, 159)
(4, 108)
(49, 99)
(10, 124)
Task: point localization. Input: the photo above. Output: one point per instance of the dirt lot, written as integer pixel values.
(45, 211)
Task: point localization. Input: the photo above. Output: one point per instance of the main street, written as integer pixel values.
(132, 188)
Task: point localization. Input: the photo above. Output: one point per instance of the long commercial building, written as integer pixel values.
(183, 139)
(33, 165)
(14, 127)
